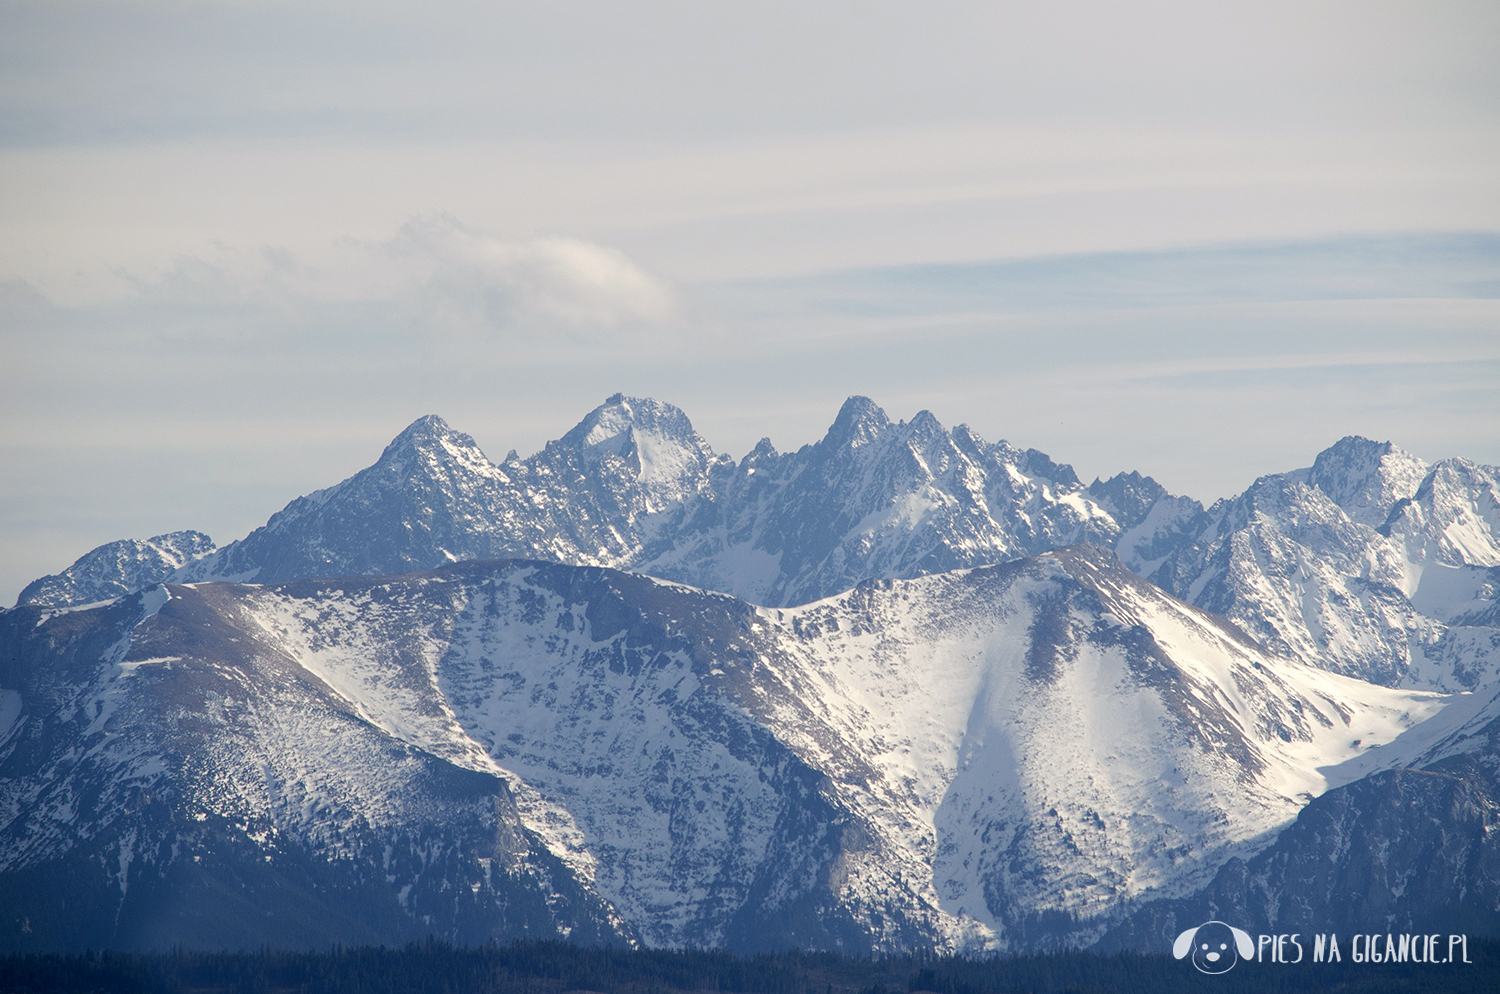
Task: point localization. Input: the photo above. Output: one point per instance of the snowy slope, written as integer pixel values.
(167, 777)
(117, 568)
(1370, 563)
(1006, 757)
(1410, 848)
(1063, 740)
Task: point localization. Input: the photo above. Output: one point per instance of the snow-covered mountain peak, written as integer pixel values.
(860, 421)
(428, 428)
(1453, 518)
(1366, 478)
(763, 451)
(427, 444)
(1128, 497)
(655, 439)
(604, 425)
(117, 568)
(926, 424)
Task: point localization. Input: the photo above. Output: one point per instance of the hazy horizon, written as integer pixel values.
(246, 244)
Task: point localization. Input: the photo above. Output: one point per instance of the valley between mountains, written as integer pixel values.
(901, 689)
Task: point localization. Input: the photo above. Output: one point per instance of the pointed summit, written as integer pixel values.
(606, 425)
(860, 420)
(424, 433)
(428, 448)
(429, 425)
(656, 440)
(1129, 497)
(1366, 478)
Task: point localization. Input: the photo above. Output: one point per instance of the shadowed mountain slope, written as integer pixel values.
(1006, 757)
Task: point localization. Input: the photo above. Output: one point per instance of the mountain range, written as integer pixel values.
(903, 688)
(1371, 562)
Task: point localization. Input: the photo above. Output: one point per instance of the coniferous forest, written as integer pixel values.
(561, 968)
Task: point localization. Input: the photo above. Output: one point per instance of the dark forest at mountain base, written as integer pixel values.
(554, 967)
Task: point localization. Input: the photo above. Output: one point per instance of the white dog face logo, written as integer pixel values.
(1216, 947)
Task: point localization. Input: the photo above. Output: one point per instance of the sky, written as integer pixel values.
(242, 245)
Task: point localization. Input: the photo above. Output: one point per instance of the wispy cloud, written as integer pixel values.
(443, 278)
(229, 257)
(455, 276)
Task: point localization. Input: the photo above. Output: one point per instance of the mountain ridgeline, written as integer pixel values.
(902, 689)
(1370, 563)
(1012, 756)
(635, 487)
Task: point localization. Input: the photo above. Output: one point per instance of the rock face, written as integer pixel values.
(1371, 564)
(1014, 756)
(1409, 850)
(870, 695)
(117, 568)
(634, 486)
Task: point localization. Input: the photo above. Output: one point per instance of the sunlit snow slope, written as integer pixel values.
(1012, 756)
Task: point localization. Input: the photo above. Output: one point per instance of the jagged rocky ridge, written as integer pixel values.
(1013, 757)
(634, 486)
(117, 568)
(1370, 563)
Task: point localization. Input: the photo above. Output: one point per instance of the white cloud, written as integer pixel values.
(436, 277)
(458, 277)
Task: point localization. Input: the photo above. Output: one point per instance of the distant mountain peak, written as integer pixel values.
(426, 433)
(426, 424)
(1366, 478)
(429, 426)
(1129, 497)
(619, 414)
(926, 422)
(428, 448)
(117, 568)
(656, 439)
(860, 420)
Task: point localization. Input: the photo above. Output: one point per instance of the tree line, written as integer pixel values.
(556, 967)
